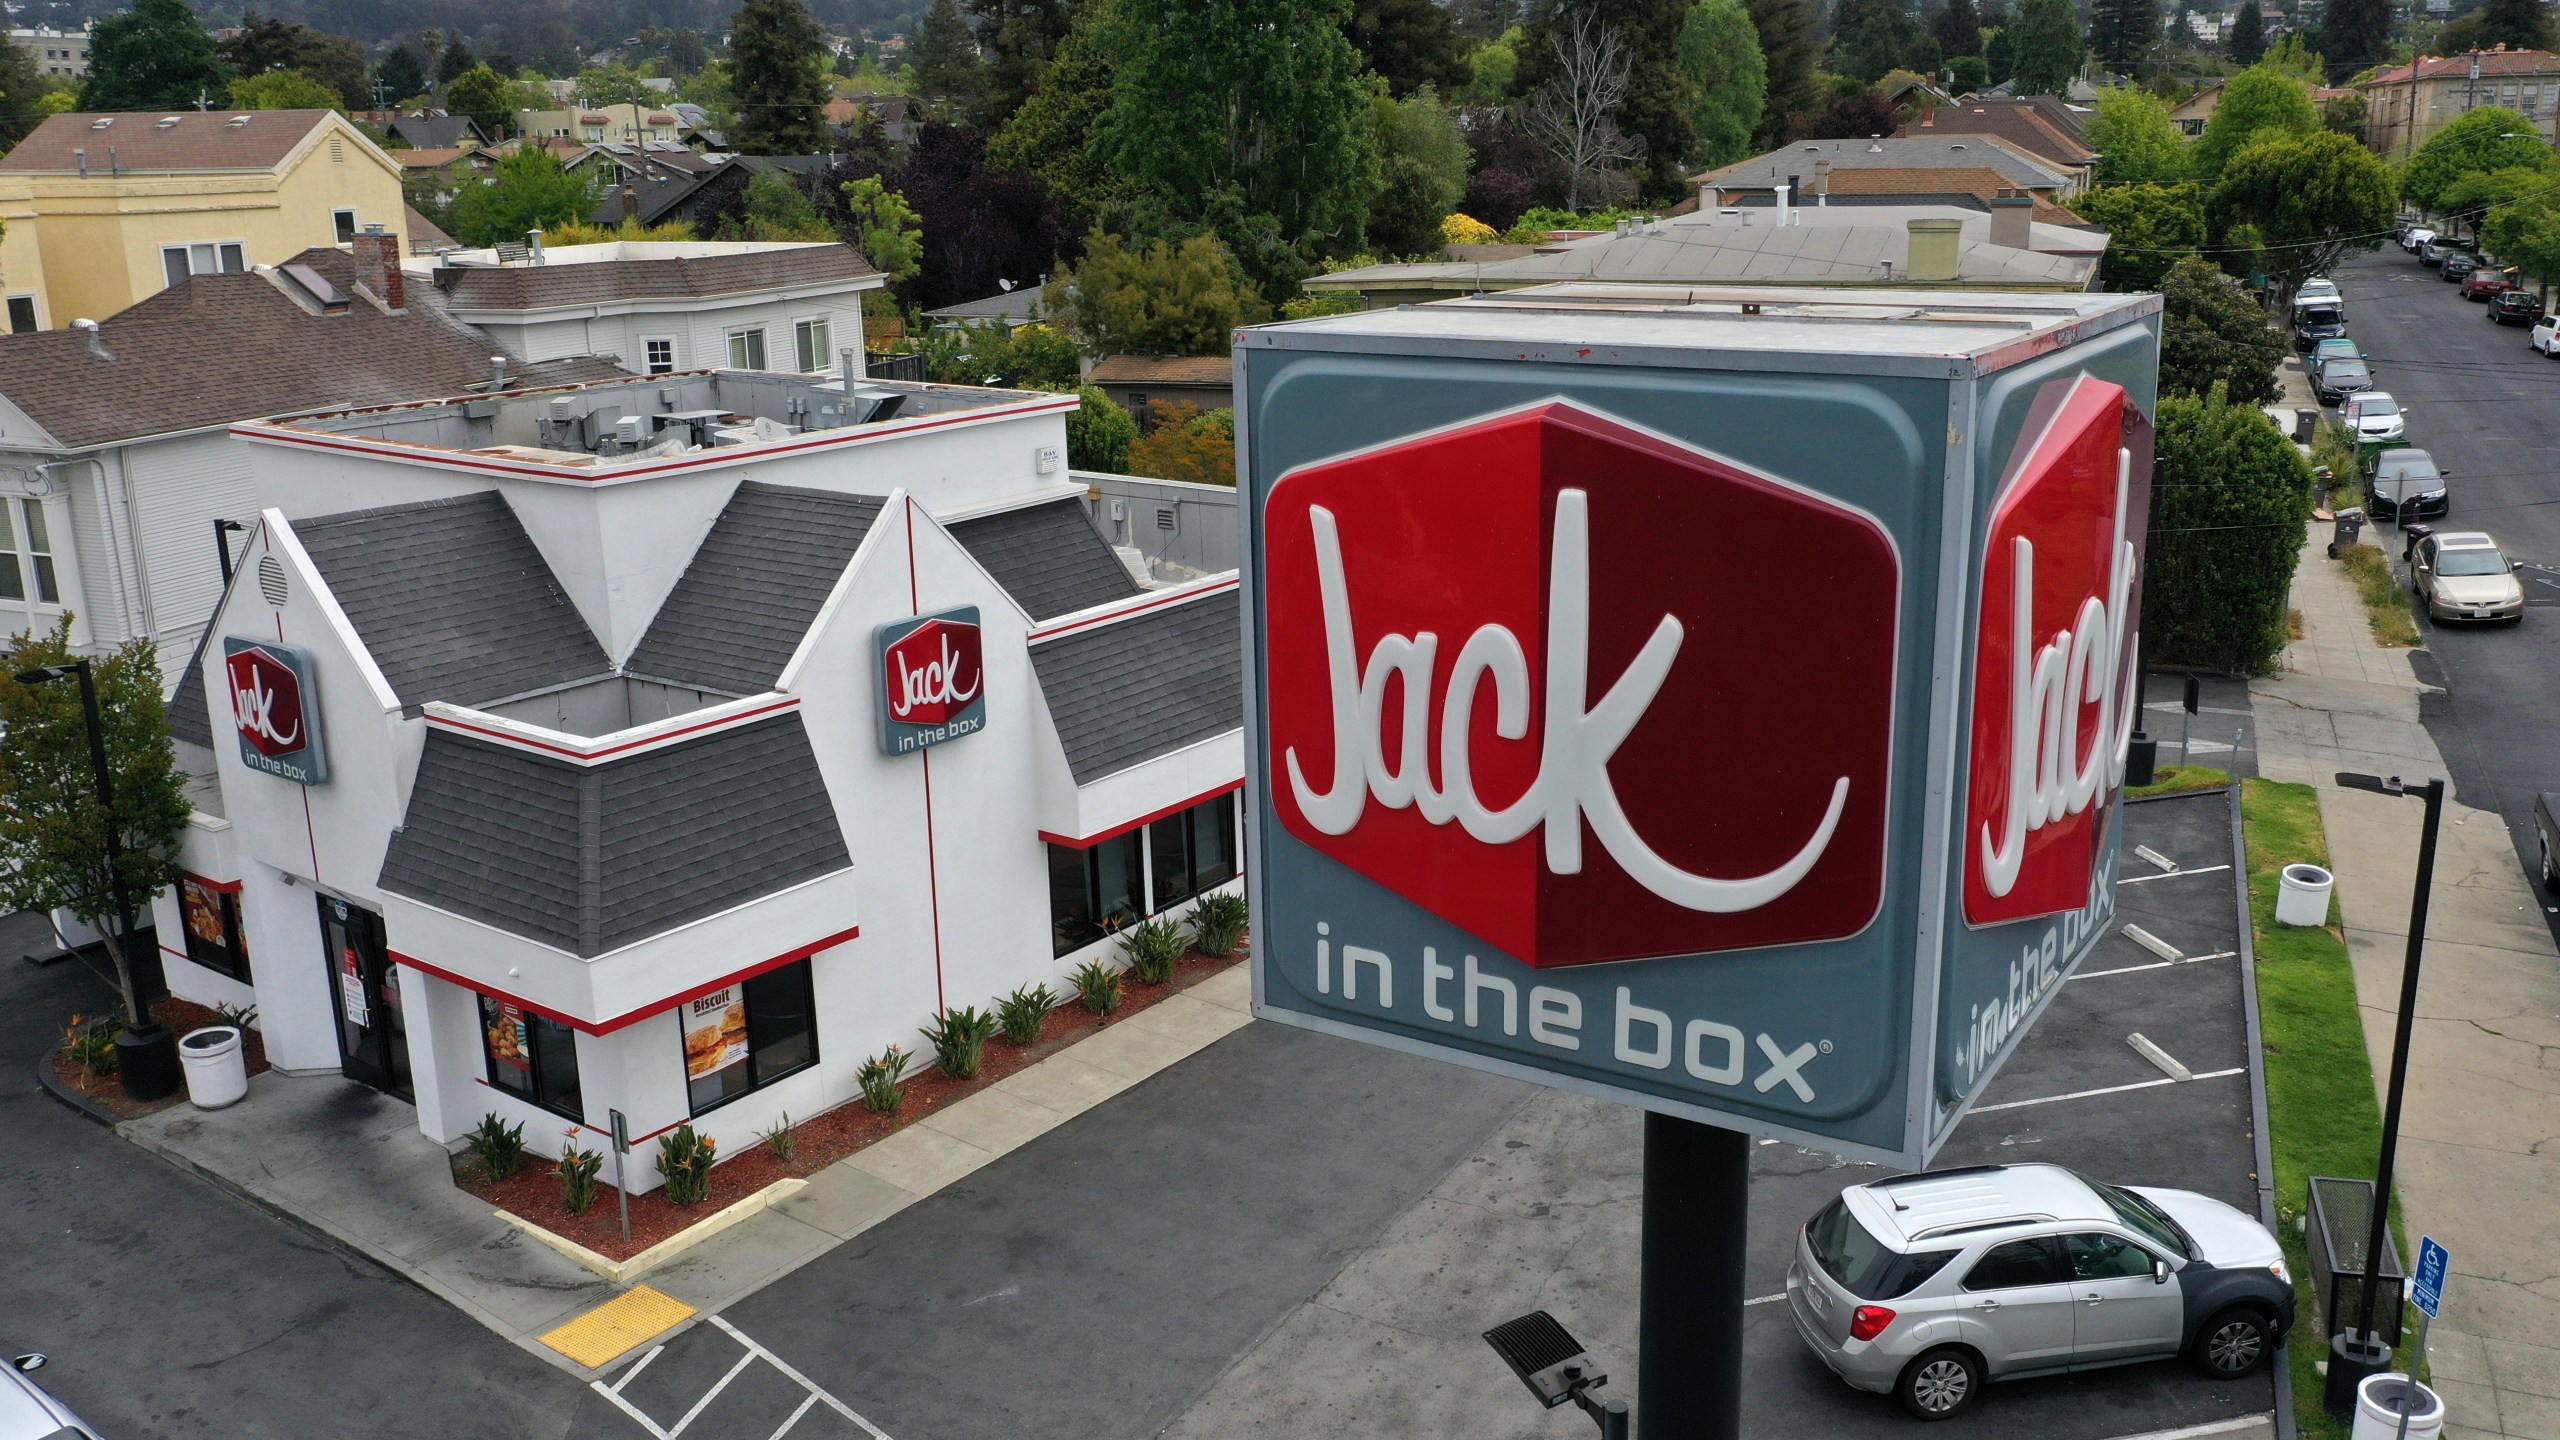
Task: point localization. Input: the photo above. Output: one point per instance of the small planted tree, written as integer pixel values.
(54, 835)
(2227, 513)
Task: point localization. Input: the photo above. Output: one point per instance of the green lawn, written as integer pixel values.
(2178, 779)
(2321, 1115)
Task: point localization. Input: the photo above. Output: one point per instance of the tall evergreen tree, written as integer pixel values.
(1789, 40)
(156, 56)
(1409, 42)
(20, 88)
(1022, 37)
(1657, 104)
(777, 79)
(2356, 34)
(400, 74)
(2122, 32)
(2046, 56)
(1729, 81)
(456, 59)
(1958, 28)
(263, 44)
(950, 73)
(2516, 24)
(2248, 37)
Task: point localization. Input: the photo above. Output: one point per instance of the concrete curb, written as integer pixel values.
(2280, 1365)
(624, 1271)
(53, 1086)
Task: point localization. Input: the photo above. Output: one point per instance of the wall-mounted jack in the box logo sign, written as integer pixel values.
(275, 709)
(1494, 643)
(2054, 667)
(933, 680)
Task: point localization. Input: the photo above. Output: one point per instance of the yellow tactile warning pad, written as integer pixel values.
(618, 1326)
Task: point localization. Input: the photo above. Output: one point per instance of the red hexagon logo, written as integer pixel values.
(266, 702)
(1583, 690)
(2054, 656)
(933, 672)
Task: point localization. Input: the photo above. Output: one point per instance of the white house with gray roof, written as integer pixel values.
(554, 756)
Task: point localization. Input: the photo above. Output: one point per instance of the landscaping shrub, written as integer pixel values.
(1154, 947)
(500, 1146)
(91, 1044)
(779, 1139)
(878, 1077)
(686, 1158)
(2387, 607)
(1098, 986)
(577, 1170)
(960, 1040)
(1217, 923)
(1021, 1014)
(2228, 504)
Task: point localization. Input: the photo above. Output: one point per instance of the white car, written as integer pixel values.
(2373, 415)
(2416, 240)
(2546, 335)
(2463, 575)
(2319, 287)
(27, 1413)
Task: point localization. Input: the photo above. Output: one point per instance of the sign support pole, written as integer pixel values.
(1697, 1193)
(621, 1190)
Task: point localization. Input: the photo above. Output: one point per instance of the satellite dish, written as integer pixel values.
(1005, 285)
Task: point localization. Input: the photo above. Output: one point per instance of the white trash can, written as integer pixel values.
(2379, 1400)
(2302, 895)
(217, 1071)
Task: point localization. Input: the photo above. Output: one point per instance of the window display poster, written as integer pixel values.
(715, 1032)
(351, 996)
(510, 1047)
(212, 926)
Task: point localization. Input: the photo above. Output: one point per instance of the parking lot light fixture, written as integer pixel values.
(2352, 1349)
(1557, 1370)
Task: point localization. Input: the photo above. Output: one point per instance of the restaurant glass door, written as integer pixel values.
(373, 1031)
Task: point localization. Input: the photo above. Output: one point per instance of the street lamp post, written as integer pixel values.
(146, 1054)
(2358, 1351)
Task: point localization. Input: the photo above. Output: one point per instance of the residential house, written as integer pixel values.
(1146, 385)
(626, 124)
(1016, 307)
(56, 52)
(2407, 104)
(2193, 113)
(1974, 187)
(436, 132)
(2047, 131)
(1793, 167)
(663, 306)
(660, 181)
(116, 455)
(896, 115)
(103, 211)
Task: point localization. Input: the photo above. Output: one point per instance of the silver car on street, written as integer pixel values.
(1928, 1286)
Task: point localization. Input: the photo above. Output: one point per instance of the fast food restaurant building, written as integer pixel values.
(670, 746)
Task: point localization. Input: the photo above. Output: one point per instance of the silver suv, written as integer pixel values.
(1927, 1286)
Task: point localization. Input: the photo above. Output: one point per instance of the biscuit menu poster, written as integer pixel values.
(715, 1033)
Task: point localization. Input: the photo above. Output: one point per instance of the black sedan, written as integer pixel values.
(2515, 307)
(2459, 264)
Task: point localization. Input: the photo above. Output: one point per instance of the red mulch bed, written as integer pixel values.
(534, 1191)
(107, 1091)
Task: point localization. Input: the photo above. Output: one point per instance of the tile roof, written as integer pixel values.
(453, 600)
(1979, 182)
(745, 602)
(589, 859)
(1164, 370)
(201, 140)
(536, 287)
(2022, 124)
(1125, 693)
(1048, 557)
(2458, 67)
(216, 349)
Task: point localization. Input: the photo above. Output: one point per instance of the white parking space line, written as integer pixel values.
(1764, 1300)
(2172, 875)
(2106, 1090)
(2157, 965)
(2153, 943)
(2167, 1062)
(2156, 858)
(777, 1362)
(754, 1352)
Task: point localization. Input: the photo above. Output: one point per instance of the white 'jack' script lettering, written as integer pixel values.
(935, 682)
(257, 708)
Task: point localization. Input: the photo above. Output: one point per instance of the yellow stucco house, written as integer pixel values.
(103, 211)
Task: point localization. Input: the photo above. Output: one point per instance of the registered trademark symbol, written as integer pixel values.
(1826, 1047)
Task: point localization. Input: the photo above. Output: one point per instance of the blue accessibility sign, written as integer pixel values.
(2427, 1286)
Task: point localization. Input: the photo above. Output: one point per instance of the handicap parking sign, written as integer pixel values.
(2427, 1286)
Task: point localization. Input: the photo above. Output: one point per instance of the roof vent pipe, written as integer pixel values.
(97, 341)
(81, 159)
(849, 363)
(115, 167)
(498, 368)
(533, 246)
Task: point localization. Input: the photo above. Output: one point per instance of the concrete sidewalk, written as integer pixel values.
(350, 1164)
(2480, 1139)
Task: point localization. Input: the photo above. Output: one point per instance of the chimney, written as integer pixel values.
(1935, 246)
(2011, 211)
(1822, 184)
(630, 203)
(378, 269)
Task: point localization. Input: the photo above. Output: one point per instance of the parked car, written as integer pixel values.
(2459, 265)
(2319, 287)
(2546, 335)
(2484, 282)
(2339, 379)
(1927, 1286)
(2546, 832)
(2401, 225)
(2317, 320)
(2373, 415)
(2515, 306)
(28, 1413)
(2335, 348)
(2431, 251)
(2406, 478)
(2463, 575)
(2417, 238)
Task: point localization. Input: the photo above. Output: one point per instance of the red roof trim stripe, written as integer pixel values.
(1141, 607)
(1087, 842)
(643, 1012)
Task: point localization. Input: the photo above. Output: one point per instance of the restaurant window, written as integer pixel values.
(660, 354)
(745, 1036)
(1094, 891)
(212, 915)
(809, 337)
(532, 1056)
(26, 549)
(1193, 850)
(746, 349)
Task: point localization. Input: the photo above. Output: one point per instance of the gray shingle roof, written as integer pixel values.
(453, 600)
(1048, 557)
(744, 603)
(1130, 691)
(190, 717)
(588, 859)
(483, 288)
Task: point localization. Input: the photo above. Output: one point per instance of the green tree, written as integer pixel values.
(531, 191)
(156, 56)
(2488, 139)
(777, 79)
(2135, 139)
(1052, 135)
(1424, 162)
(1253, 107)
(1187, 445)
(1790, 38)
(263, 44)
(454, 60)
(1099, 433)
(2149, 228)
(486, 96)
(613, 85)
(2000, 52)
(1025, 37)
(2525, 230)
(2470, 200)
(1410, 43)
(283, 90)
(2294, 56)
(1656, 107)
(2248, 35)
(2212, 332)
(2123, 32)
(2228, 504)
(886, 227)
(53, 834)
(22, 92)
(2259, 98)
(2045, 47)
(1958, 28)
(2356, 33)
(2313, 199)
(1169, 299)
(777, 207)
(2516, 24)
(1968, 73)
(951, 76)
(1493, 71)
(400, 74)
(1728, 79)
(1874, 37)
